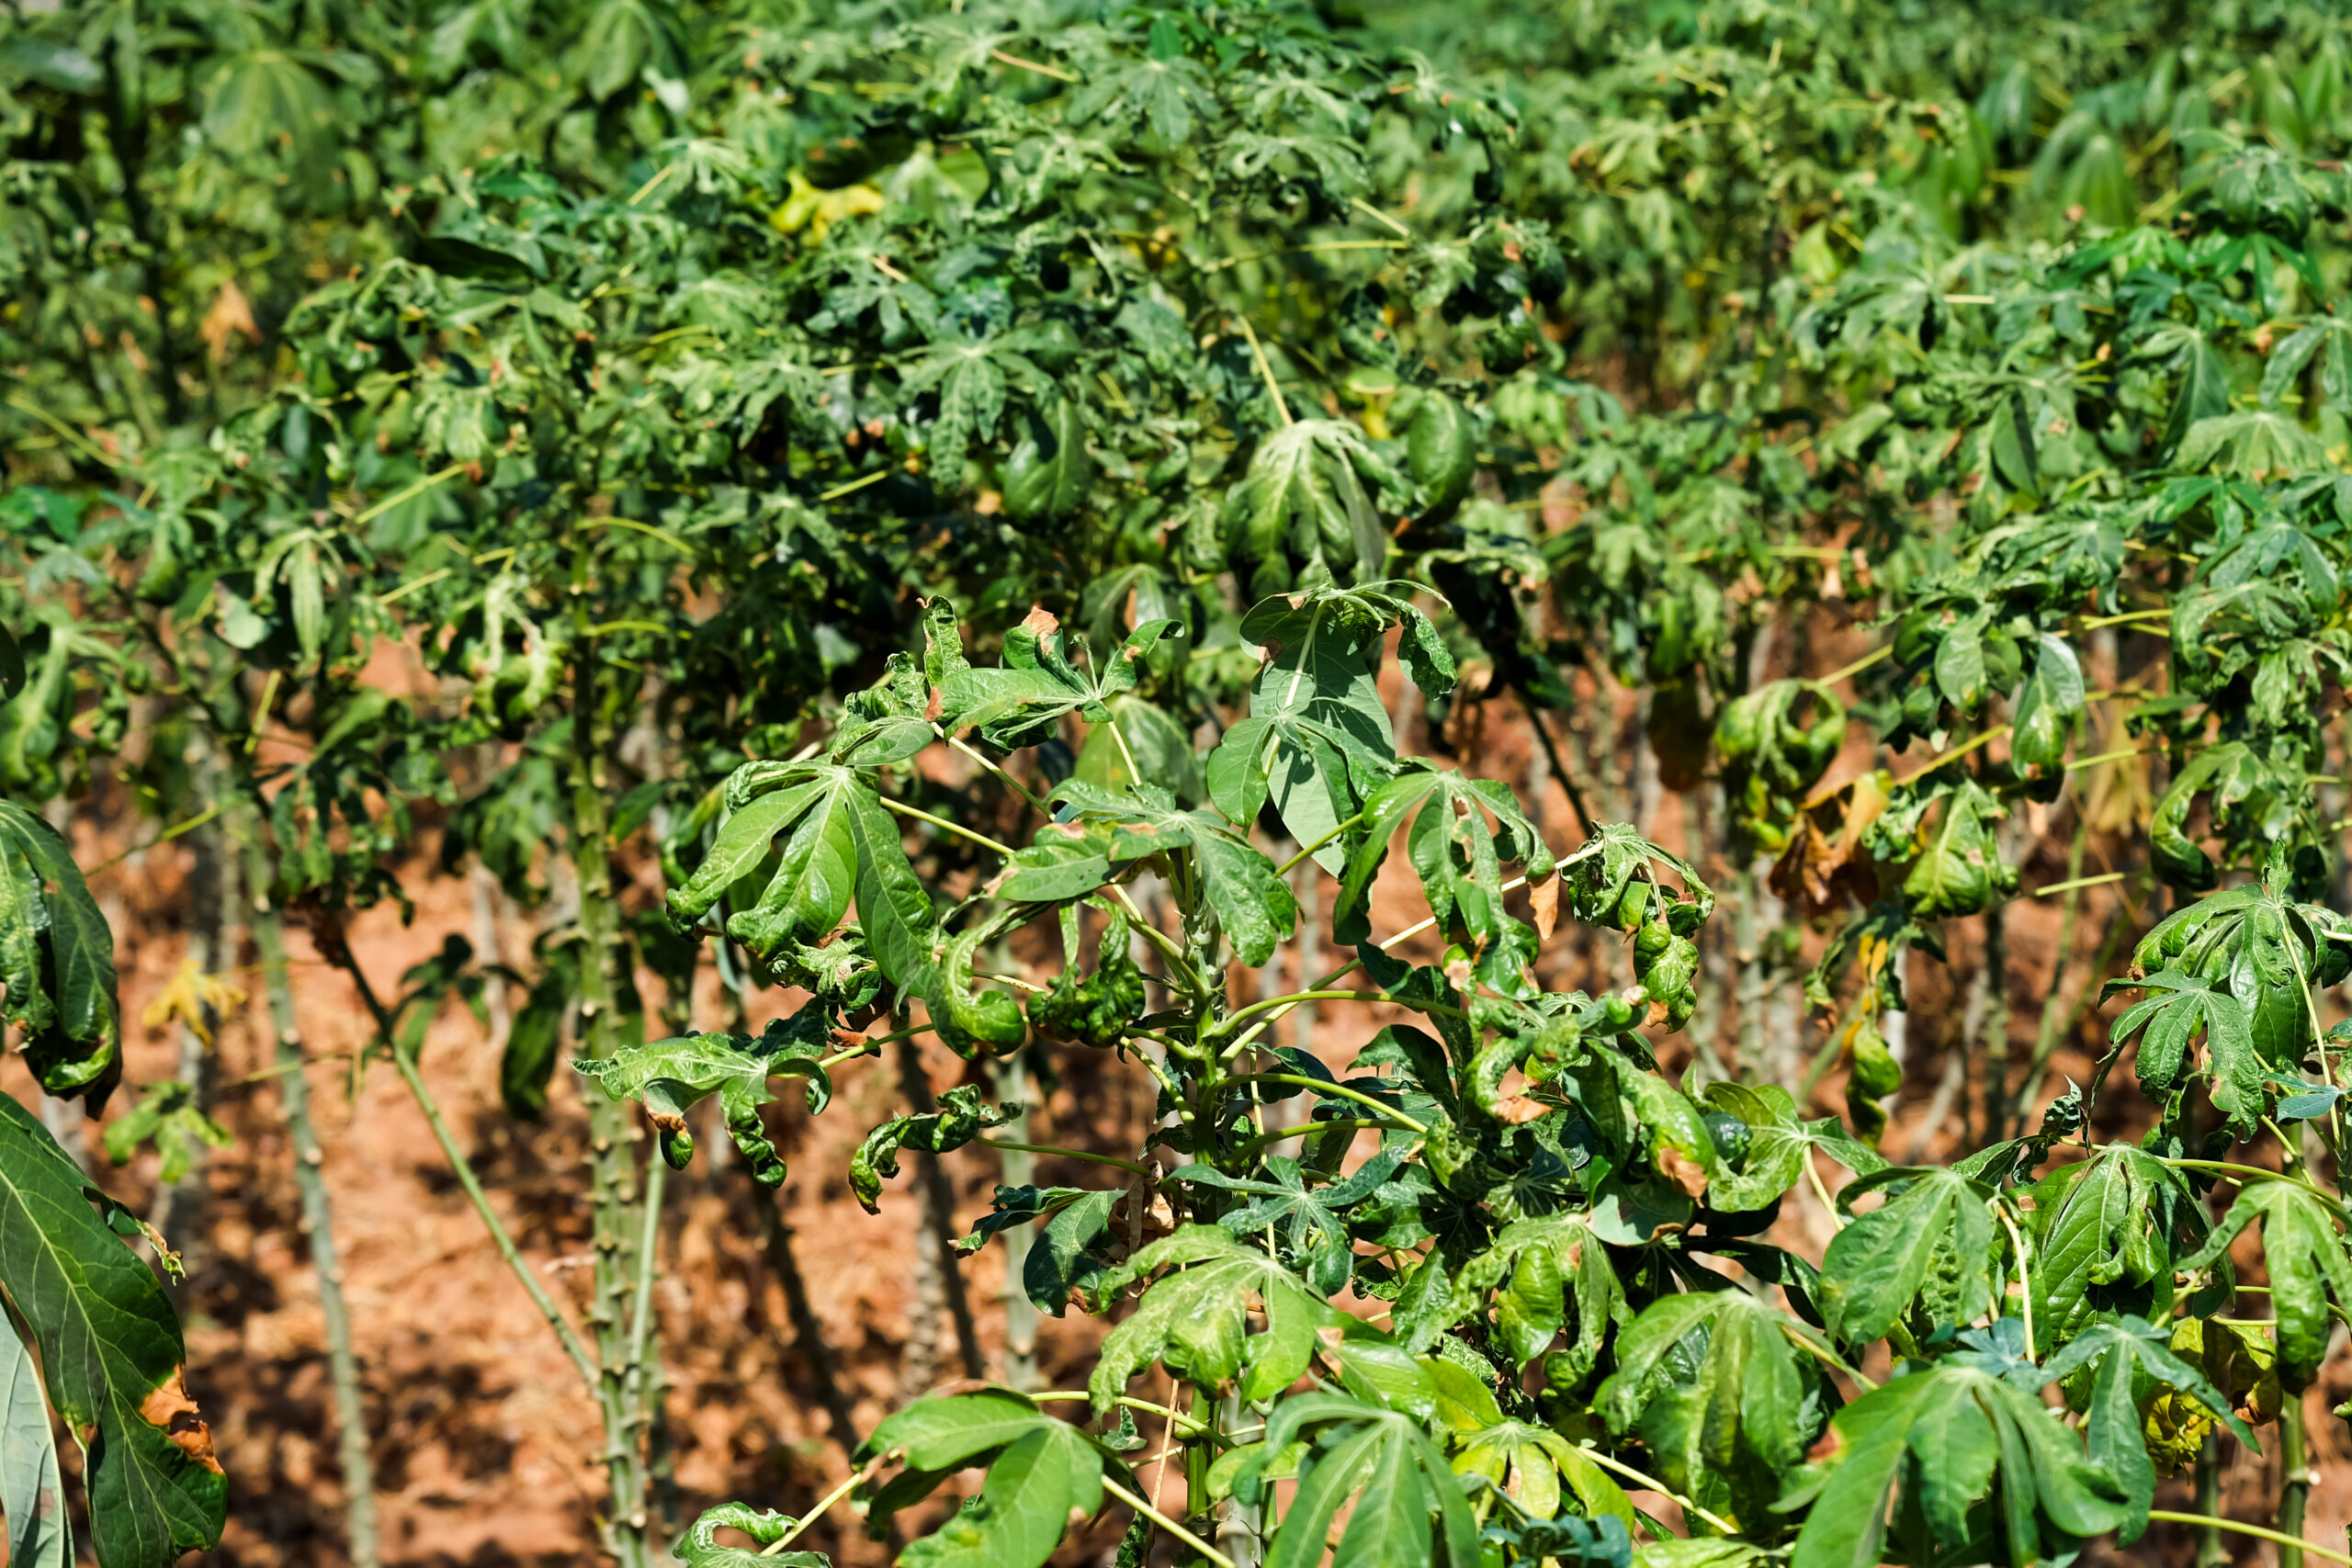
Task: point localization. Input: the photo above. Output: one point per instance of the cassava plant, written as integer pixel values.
(1556, 1233)
(1022, 431)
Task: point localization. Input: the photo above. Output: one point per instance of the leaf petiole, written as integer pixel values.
(1652, 1483)
(1292, 865)
(1297, 997)
(2254, 1173)
(2213, 1521)
(919, 815)
(1142, 1170)
(827, 1501)
(1170, 1526)
(1301, 1080)
(872, 1047)
(1241, 1041)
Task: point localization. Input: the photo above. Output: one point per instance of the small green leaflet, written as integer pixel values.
(2046, 705)
(2177, 1009)
(961, 1117)
(1303, 501)
(1534, 1464)
(1317, 739)
(1311, 1219)
(1048, 470)
(1959, 868)
(1951, 1436)
(1043, 1476)
(2105, 1232)
(167, 1115)
(1544, 1267)
(1195, 1320)
(1778, 1147)
(1930, 1243)
(2295, 351)
(1383, 1461)
(2305, 1254)
(2123, 1348)
(1242, 890)
(700, 1548)
(1018, 703)
(1454, 851)
(1714, 1387)
(669, 1077)
(1068, 1253)
(801, 838)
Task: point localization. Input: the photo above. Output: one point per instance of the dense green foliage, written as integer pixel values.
(948, 483)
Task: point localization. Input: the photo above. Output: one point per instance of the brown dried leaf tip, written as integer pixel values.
(168, 1407)
(1544, 896)
(1683, 1171)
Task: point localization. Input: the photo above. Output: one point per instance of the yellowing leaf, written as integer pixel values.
(806, 207)
(195, 998)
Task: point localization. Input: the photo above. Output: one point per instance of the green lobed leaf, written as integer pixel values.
(110, 1355)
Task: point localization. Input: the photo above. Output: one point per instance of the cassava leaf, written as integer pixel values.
(32, 1497)
(669, 1077)
(2304, 1251)
(961, 1117)
(57, 961)
(1947, 1438)
(1930, 1246)
(1194, 1320)
(110, 1355)
(1715, 1388)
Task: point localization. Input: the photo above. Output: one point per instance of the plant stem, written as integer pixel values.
(2046, 1037)
(943, 825)
(1020, 1170)
(318, 1224)
(2294, 1480)
(611, 1168)
(572, 1347)
(2025, 1277)
(1997, 1022)
(2251, 1173)
(1292, 865)
(1560, 770)
(1828, 1357)
(873, 1047)
(657, 1171)
(1175, 1417)
(2210, 1553)
(1438, 1010)
(1883, 651)
(998, 769)
(823, 1503)
(1241, 1041)
(1264, 1141)
(1239, 1526)
(1821, 1191)
(1273, 387)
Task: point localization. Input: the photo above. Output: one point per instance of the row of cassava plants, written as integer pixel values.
(993, 388)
